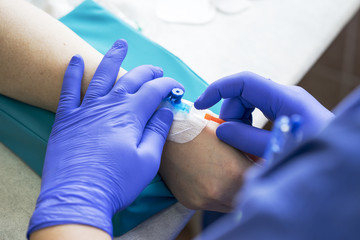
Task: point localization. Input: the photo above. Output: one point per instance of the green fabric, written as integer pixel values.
(25, 129)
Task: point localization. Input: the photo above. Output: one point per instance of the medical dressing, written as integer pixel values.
(188, 121)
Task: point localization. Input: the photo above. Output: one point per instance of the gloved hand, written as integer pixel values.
(104, 151)
(245, 91)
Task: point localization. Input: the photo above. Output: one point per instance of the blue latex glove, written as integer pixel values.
(311, 193)
(245, 91)
(104, 151)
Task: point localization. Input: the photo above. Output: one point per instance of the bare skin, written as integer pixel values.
(70, 231)
(204, 173)
(35, 51)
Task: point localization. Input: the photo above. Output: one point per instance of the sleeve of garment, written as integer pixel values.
(312, 193)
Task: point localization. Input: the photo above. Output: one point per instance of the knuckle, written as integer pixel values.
(120, 90)
(159, 127)
(234, 172)
(114, 56)
(151, 71)
(76, 61)
(148, 68)
(170, 83)
(127, 78)
(168, 80)
(213, 193)
(138, 72)
(246, 73)
(299, 94)
(75, 64)
(96, 86)
(154, 88)
(101, 76)
(171, 80)
(207, 195)
(298, 89)
(135, 154)
(65, 100)
(66, 94)
(152, 160)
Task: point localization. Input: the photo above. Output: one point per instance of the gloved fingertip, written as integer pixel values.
(198, 104)
(75, 60)
(223, 130)
(158, 127)
(120, 43)
(165, 115)
(158, 72)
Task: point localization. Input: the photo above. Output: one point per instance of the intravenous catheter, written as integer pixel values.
(181, 108)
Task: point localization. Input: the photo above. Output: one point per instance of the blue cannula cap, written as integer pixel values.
(176, 95)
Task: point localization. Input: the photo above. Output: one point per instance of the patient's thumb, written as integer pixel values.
(244, 137)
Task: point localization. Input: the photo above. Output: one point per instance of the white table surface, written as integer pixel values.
(279, 39)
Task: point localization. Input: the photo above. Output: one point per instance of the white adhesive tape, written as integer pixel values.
(186, 127)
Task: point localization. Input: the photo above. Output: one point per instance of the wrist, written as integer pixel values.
(68, 205)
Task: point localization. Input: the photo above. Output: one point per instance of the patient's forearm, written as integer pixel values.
(34, 53)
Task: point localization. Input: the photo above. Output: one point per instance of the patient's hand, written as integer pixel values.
(204, 173)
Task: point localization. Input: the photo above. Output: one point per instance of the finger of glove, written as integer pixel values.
(227, 87)
(154, 136)
(134, 79)
(107, 71)
(244, 137)
(71, 87)
(234, 109)
(254, 91)
(149, 96)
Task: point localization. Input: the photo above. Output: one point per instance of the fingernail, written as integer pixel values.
(166, 115)
(200, 98)
(121, 43)
(75, 59)
(196, 103)
(159, 71)
(221, 130)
